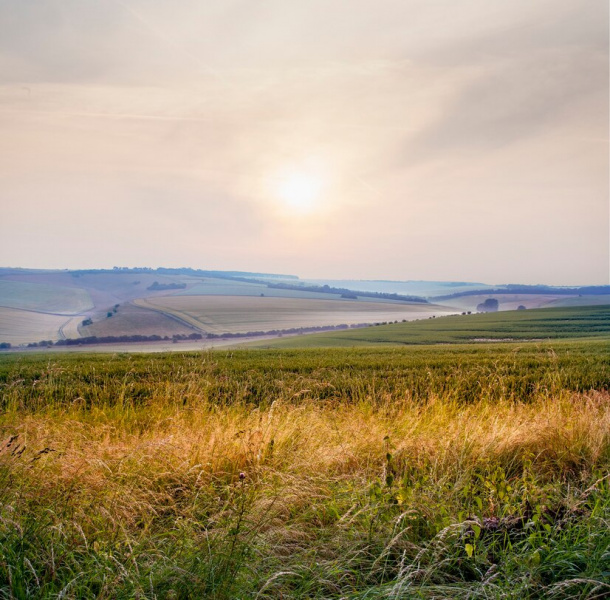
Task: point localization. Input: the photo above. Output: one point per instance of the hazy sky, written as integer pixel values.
(394, 139)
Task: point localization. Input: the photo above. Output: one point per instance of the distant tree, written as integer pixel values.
(87, 322)
(490, 305)
(109, 314)
(156, 286)
(5, 345)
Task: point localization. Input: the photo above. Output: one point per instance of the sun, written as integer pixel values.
(300, 192)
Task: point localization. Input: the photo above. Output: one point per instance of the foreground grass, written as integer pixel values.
(337, 474)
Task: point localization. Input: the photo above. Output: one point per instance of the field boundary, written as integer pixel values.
(143, 303)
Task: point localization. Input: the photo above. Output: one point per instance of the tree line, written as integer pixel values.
(590, 290)
(346, 293)
(122, 339)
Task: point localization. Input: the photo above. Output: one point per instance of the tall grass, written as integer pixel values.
(141, 477)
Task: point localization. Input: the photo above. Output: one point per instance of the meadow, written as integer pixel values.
(241, 314)
(463, 471)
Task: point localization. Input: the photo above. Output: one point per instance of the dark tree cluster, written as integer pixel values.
(156, 286)
(490, 305)
(591, 290)
(113, 339)
(121, 339)
(344, 292)
(293, 330)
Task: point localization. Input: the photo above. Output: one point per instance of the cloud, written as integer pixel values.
(514, 100)
(418, 110)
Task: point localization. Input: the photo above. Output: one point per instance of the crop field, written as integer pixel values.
(134, 320)
(238, 314)
(44, 298)
(23, 326)
(467, 471)
(70, 329)
(528, 325)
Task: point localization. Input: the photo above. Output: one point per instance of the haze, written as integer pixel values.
(402, 139)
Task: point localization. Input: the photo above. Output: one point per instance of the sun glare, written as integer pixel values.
(300, 192)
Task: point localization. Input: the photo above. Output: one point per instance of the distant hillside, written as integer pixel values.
(426, 289)
(185, 271)
(53, 306)
(56, 305)
(590, 290)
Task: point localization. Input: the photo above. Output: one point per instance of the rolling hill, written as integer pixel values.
(64, 305)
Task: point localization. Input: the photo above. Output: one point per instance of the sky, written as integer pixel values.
(363, 139)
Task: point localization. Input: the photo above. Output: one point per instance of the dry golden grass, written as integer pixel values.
(130, 462)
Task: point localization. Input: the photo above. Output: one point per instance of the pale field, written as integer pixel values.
(43, 297)
(135, 320)
(223, 287)
(239, 314)
(582, 301)
(23, 326)
(506, 301)
(104, 290)
(70, 328)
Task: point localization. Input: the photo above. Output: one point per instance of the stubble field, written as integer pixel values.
(241, 314)
(44, 298)
(22, 326)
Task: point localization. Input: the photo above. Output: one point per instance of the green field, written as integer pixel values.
(44, 297)
(241, 314)
(463, 471)
(527, 325)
